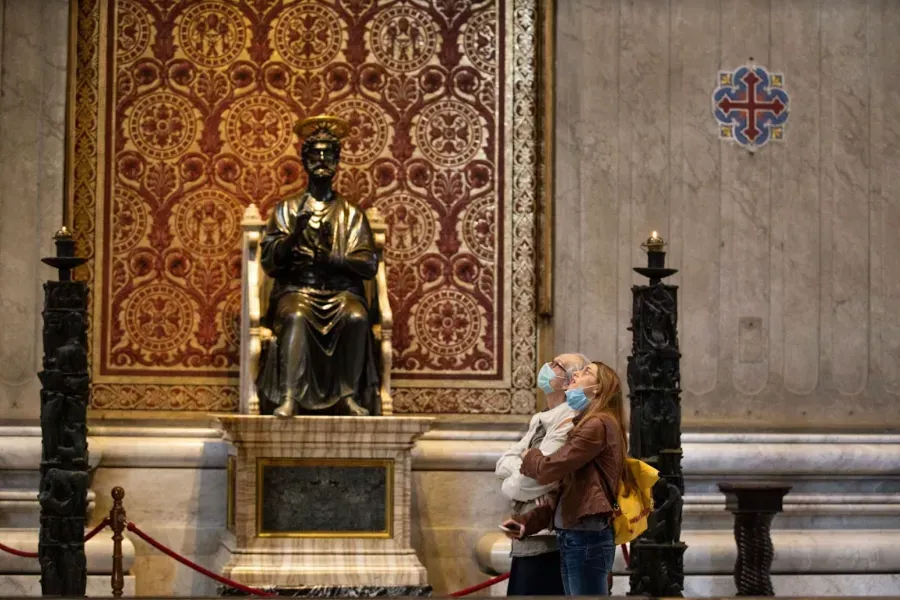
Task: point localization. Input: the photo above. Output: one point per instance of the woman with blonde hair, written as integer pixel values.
(589, 466)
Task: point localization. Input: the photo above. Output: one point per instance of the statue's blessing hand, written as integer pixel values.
(303, 254)
(326, 232)
(301, 223)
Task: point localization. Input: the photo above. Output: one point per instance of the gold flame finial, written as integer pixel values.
(654, 243)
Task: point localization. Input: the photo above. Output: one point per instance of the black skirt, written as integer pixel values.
(538, 575)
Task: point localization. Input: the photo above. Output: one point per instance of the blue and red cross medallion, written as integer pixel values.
(750, 106)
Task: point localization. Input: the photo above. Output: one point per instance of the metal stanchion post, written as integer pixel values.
(117, 522)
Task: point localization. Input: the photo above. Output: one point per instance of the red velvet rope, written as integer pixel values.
(100, 526)
(15, 552)
(172, 554)
(480, 586)
(239, 586)
(505, 576)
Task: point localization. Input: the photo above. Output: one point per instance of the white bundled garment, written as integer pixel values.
(556, 423)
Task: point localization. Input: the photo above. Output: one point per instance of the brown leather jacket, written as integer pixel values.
(588, 464)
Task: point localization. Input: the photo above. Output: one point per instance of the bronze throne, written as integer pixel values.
(255, 337)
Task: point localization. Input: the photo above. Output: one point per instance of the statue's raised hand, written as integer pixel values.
(324, 242)
(326, 235)
(300, 224)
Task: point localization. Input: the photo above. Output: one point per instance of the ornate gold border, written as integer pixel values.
(82, 150)
(529, 197)
(387, 464)
(547, 137)
(547, 112)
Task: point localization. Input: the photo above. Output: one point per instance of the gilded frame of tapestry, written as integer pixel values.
(529, 157)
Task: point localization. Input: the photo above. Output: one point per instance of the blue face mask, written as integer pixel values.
(576, 399)
(545, 376)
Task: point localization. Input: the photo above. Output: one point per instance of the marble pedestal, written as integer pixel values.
(321, 505)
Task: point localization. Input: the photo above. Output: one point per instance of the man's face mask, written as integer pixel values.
(546, 376)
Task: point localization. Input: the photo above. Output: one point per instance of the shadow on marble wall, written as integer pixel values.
(451, 511)
(175, 490)
(33, 55)
(788, 288)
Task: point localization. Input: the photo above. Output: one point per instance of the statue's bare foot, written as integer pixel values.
(353, 409)
(287, 408)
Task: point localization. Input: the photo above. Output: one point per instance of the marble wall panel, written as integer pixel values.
(788, 291)
(884, 56)
(694, 190)
(33, 54)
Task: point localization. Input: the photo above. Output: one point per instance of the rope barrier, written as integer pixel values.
(239, 586)
(495, 580)
(480, 586)
(24, 554)
(203, 571)
(100, 527)
(15, 552)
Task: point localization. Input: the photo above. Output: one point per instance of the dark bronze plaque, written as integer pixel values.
(324, 497)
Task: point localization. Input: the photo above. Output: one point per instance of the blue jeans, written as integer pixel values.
(586, 558)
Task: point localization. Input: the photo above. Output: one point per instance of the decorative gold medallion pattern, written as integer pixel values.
(193, 110)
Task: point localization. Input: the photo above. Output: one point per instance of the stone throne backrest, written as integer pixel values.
(255, 289)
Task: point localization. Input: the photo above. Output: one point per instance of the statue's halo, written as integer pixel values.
(322, 126)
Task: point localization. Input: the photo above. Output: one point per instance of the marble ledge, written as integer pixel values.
(30, 496)
(350, 569)
(714, 552)
(709, 455)
(718, 500)
(20, 452)
(464, 448)
(324, 431)
(160, 452)
(24, 453)
(19, 508)
(331, 591)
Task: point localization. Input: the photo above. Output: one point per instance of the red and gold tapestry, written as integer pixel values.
(187, 108)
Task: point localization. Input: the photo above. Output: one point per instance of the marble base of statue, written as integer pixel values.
(321, 506)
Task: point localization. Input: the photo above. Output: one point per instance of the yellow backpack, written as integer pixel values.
(630, 510)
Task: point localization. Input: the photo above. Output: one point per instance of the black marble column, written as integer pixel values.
(657, 567)
(754, 505)
(65, 385)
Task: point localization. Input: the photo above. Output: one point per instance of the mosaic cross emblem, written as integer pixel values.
(750, 106)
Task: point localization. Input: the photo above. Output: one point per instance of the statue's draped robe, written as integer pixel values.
(324, 347)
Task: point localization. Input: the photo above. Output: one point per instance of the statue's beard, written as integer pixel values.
(321, 172)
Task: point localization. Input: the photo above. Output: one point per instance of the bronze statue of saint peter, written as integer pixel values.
(319, 250)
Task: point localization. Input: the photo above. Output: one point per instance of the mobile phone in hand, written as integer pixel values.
(515, 528)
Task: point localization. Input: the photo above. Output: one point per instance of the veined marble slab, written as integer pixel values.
(796, 552)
